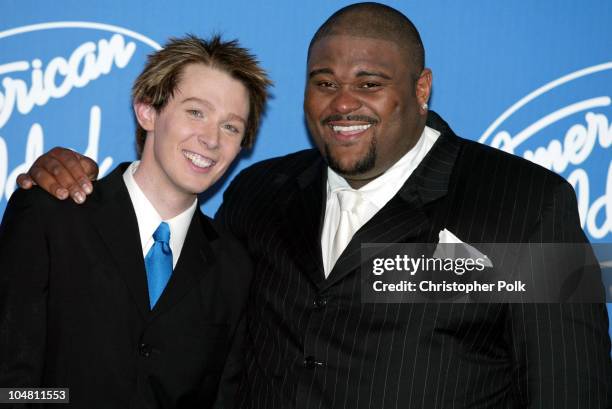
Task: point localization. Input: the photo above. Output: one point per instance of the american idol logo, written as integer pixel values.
(68, 84)
(566, 127)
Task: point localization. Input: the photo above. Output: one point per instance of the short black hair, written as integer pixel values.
(375, 20)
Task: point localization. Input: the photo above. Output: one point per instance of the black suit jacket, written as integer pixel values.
(74, 309)
(314, 344)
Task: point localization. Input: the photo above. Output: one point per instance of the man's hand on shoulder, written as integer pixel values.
(61, 172)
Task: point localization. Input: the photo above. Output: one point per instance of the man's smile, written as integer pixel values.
(198, 160)
(350, 129)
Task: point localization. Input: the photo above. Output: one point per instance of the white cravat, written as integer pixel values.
(352, 209)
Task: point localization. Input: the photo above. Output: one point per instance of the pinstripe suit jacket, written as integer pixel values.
(314, 344)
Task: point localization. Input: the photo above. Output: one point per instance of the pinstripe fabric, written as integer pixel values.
(313, 344)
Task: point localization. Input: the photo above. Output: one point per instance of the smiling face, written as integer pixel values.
(363, 104)
(195, 137)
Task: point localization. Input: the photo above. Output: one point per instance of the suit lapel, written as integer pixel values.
(123, 243)
(116, 222)
(408, 216)
(303, 213)
(193, 264)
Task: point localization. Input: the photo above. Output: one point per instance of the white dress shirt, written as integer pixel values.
(149, 219)
(375, 194)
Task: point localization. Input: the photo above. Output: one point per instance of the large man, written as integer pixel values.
(407, 177)
(136, 299)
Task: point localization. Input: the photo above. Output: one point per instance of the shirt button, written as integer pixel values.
(144, 350)
(320, 301)
(310, 362)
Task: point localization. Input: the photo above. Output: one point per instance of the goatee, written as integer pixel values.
(363, 165)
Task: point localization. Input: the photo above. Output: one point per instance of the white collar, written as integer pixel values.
(149, 219)
(380, 190)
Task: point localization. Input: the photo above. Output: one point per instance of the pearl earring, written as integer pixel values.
(424, 106)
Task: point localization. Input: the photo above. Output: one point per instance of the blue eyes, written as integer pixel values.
(195, 113)
(199, 115)
(231, 128)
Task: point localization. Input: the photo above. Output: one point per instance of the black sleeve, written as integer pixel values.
(561, 351)
(23, 292)
(233, 370)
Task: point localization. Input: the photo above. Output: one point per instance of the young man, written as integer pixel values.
(149, 312)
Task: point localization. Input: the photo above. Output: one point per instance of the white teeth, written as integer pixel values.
(352, 128)
(198, 160)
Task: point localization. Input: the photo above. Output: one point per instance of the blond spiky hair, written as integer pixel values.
(161, 75)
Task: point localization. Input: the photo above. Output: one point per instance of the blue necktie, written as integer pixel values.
(158, 263)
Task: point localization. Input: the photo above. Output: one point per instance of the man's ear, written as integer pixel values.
(145, 115)
(423, 89)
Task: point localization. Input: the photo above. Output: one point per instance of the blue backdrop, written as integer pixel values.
(533, 78)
